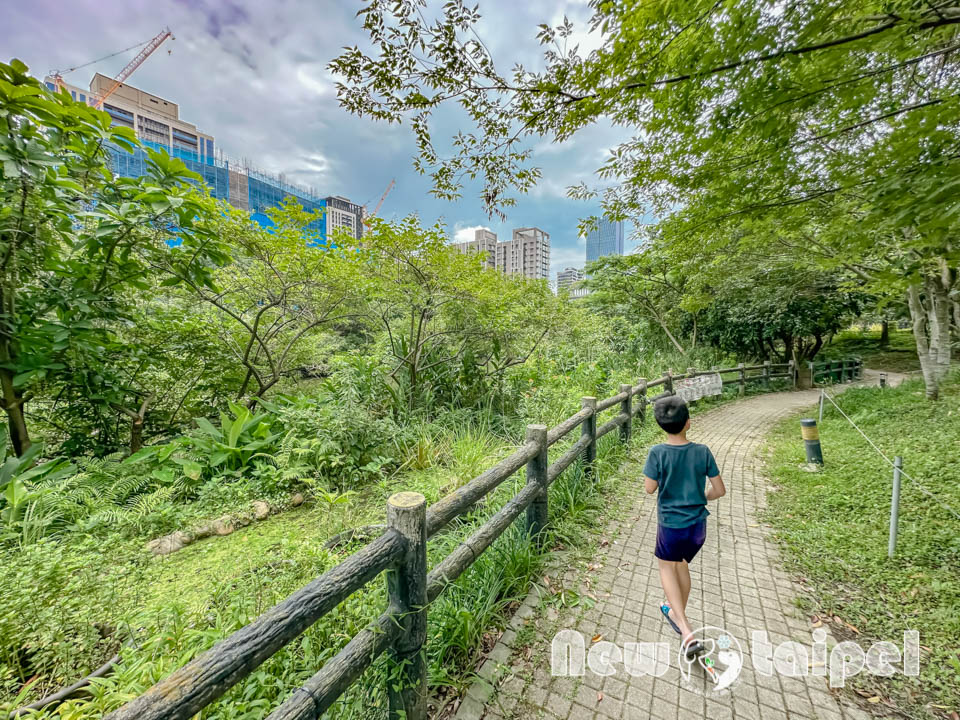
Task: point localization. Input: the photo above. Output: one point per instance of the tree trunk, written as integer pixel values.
(13, 406)
(136, 434)
(884, 333)
(929, 303)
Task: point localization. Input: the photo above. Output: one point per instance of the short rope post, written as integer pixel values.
(537, 512)
(407, 596)
(813, 372)
(811, 441)
(766, 373)
(669, 383)
(883, 380)
(743, 379)
(626, 409)
(895, 506)
(588, 432)
(822, 393)
(642, 394)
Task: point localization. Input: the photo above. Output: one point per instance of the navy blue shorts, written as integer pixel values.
(676, 544)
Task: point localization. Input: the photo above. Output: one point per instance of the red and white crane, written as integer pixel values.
(148, 48)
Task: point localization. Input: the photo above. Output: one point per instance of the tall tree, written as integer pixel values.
(281, 287)
(843, 110)
(73, 237)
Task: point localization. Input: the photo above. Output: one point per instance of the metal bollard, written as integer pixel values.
(811, 441)
(895, 506)
(883, 380)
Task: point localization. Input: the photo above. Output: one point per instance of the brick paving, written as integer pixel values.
(738, 584)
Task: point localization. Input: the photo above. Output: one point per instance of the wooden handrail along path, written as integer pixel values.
(401, 552)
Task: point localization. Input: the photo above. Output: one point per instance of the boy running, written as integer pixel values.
(678, 469)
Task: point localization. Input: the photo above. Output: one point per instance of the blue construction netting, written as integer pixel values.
(261, 192)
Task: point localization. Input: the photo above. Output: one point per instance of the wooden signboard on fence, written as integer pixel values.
(698, 387)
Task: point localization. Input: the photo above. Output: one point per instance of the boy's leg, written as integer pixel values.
(683, 577)
(670, 581)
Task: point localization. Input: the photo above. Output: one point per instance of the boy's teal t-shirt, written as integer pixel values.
(681, 472)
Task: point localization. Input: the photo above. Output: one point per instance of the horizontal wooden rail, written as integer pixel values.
(322, 690)
(454, 504)
(466, 553)
(612, 424)
(567, 459)
(611, 401)
(559, 431)
(657, 382)
(188, 690)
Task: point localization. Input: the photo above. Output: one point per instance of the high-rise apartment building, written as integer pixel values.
(341, 213)
(527, 253)
(484, 241)
(568, 277)
(157, 124)
(605, 239)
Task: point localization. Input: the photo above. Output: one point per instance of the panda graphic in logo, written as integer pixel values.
(720, 662)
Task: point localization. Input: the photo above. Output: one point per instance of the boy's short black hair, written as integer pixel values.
(671, 414)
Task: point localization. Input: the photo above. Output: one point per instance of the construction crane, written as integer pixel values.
(133, 65)
(366, 220)
(57, 75)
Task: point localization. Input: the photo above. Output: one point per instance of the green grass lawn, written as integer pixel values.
(833, 527)
(900, 355)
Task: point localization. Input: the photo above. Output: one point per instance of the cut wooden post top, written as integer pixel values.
(536, 432)
(589, 402)
(406, 499)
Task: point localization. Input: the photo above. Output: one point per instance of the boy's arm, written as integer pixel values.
(717, 489)
(650, 485)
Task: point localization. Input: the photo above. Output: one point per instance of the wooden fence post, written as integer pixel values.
(793, 373)
(766, 373)
(743, 379)
(588, 429)
(626, 408)
(669, 383)
(537, 512)
(642, 394)
(407, 594)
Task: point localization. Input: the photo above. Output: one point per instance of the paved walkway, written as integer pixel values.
(737, 584)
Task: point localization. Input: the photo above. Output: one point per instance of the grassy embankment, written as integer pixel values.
(834, 525)
(899, 355)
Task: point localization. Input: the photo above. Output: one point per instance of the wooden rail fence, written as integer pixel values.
(832, 371)
(401, 551)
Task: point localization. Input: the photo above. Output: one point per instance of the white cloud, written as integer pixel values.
(465, 234)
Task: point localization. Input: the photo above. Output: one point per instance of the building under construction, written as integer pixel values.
(157, 124)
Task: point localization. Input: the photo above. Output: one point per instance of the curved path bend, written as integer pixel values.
(738, 584)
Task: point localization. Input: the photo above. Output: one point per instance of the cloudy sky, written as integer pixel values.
(253, 74)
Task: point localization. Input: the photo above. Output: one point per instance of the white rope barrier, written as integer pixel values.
(889, 462)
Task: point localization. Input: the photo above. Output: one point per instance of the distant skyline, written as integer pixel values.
(254, 76)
